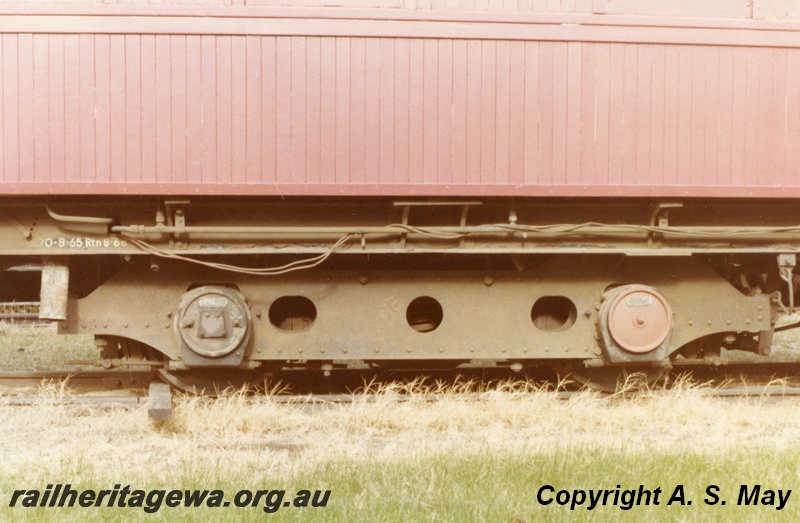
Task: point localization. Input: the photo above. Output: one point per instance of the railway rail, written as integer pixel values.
(770, 383)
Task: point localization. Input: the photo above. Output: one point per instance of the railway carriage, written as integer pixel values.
(223, 189)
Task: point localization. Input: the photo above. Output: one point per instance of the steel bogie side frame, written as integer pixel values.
(389, 280)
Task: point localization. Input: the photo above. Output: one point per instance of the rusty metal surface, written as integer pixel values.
(415, 100)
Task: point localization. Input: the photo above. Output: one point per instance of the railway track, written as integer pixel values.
(771, 384)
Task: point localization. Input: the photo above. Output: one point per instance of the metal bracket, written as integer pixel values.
(176, 217)
(26, 233)
(659, 217)
(407, 205)
(786, 264)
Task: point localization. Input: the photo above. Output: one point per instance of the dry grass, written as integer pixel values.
(378, 450)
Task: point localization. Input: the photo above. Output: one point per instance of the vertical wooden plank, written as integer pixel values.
(671, 115)
(208, 108)
(386, 109)
(57, 126)
(297, 99)
(532, 112)
(358, 107)
(430, 80)
(133, 108)
(283, 120)
(147, 80)
(698, 114)
(255, 109)
(630, 124)
(416, 112)
(753, 115)
(642, 174)
(402, 99)
(657, 114)
(778, 113)
(269, 108)
(87, 107)
(102, 86)
(328, 111)
(589, 87)
(164, 66)
(488, 112)
(685, 107)
(474, 108)
(517, 108)
(118, 105)
(740, 117)
(502, 121)
(7, 75)
(574, 122)
(72, 108)
(617, 133)
(771, 123)
(27, 110)
(792, 108)
(223, 105)
(559, 151)
(602, 108)
(547, 102)
(9, 84)
(195, 97)
(313, 110)
(444, 119)
(711, 117)
(725, 108)
(41, 106)
(180, 108)
(239, 134)
(343, 122)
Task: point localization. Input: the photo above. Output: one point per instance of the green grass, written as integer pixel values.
(498, 485)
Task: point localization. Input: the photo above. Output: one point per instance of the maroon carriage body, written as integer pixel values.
(402, 97)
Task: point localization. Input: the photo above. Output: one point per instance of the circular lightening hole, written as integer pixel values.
(553, 313)
(424, 314)
(292, 313)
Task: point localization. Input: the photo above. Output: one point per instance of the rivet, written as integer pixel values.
(728, 322)
(83, 325)
(377, 351)
(761, 307)
(239, 353)
(363, 280)
(125, 326)
(63, 325)
(146, 325)
(547, 349)
(488, 280)
(503, 351)
(472, 349)
(691, 323)
(587, 313)
(709, 322)
(258, 349)
(525, 350)
(566, 349)
(322, 351)
(105, 325)
(597, 305)
(345, 350)
(408, 351)
(747, 321)
(169, 315)
(258, 314)
(442, 350)
(760, 317)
